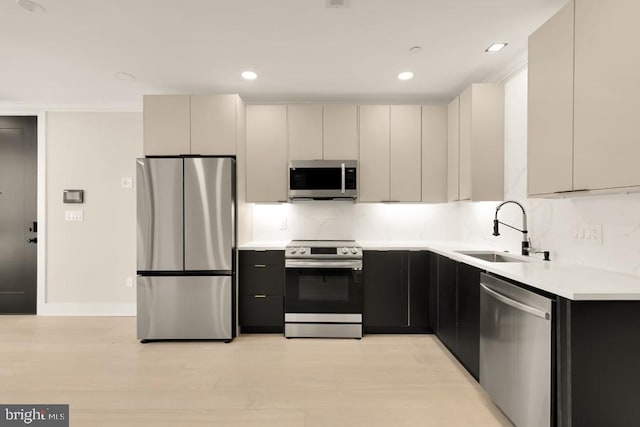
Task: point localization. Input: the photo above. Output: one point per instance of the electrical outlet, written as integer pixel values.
(596, 233)
(283, 223)
(589, 233)
(129, 282)
(127, 182)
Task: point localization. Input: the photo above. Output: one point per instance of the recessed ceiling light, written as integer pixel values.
(405, 75)
(249, 75)
(125, 76)
(30, 5)
(496, 47)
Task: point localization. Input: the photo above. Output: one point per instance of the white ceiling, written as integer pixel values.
(300, 49)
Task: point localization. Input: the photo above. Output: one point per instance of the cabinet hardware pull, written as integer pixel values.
(260, 265)
(259, 296)
(571, 191)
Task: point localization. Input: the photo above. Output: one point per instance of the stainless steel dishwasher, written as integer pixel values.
(515, 351)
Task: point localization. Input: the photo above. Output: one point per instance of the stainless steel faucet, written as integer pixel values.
(526, 246)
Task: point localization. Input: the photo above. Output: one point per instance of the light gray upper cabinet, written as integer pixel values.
(340, 132)
(327, 132)
(584, 95)
(184, 124)
(434, 153)
(167, 125)
(453, 150)
(266, 153)
(213, 124)
(304, 124)
(374, 179)
(550, 106)
(607, 94)
(481, 142)
(406, 153)
(390, 153)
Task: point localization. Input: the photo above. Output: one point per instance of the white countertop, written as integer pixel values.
(264, 245)
(575, 282)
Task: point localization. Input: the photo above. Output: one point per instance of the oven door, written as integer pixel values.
(323, 287)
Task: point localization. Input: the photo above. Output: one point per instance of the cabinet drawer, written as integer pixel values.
(264, 279)
(262, 258)
(262, 312)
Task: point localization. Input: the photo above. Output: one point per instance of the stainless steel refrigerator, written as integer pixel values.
(186, 246)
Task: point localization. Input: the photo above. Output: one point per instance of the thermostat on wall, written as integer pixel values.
(73, 196)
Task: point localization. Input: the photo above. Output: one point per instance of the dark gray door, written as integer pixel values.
(18, 209)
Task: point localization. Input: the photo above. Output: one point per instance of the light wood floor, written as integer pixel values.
(96, 365)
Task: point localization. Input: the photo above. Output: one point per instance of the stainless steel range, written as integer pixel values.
(323, 292)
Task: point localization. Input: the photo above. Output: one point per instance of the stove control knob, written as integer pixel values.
(354, 251)
(292, 250)
(303, 250)
(345, 251)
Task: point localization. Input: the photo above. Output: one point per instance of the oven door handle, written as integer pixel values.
(351, 264)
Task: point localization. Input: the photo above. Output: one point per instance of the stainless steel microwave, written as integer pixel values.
(323, 179)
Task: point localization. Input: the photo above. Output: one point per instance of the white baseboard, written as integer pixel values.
(88, 309)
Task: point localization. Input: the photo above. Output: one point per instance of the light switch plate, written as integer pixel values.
(74, 216)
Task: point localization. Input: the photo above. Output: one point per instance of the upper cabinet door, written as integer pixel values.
(167, 125)
(213, 124)
(550, 105)
(487, 142)
(434, 153)
(340, 132)
(464, 162)
(406, 153)
(305, 132)
(374, 153)
(453, 150)
(607, 94)
(266, 145)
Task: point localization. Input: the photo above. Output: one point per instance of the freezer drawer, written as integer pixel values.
(184, 307)
(160, 214)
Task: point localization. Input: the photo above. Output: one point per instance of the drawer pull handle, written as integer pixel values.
(260, 265)
(259, 296)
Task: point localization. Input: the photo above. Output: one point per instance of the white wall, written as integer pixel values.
(88, 262)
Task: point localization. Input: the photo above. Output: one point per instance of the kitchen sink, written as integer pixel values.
(492, 256)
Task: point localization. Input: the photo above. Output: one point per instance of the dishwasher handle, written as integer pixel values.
(516, 304)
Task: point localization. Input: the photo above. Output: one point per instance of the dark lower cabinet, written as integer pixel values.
(468, 344)
(261, 313)
(419, 266)
(261, 291)
(396, 292)
(458, 304)
(383, 277)
(447, 329)
(598, 363)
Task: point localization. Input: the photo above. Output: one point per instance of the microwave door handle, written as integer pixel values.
(343, 178)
